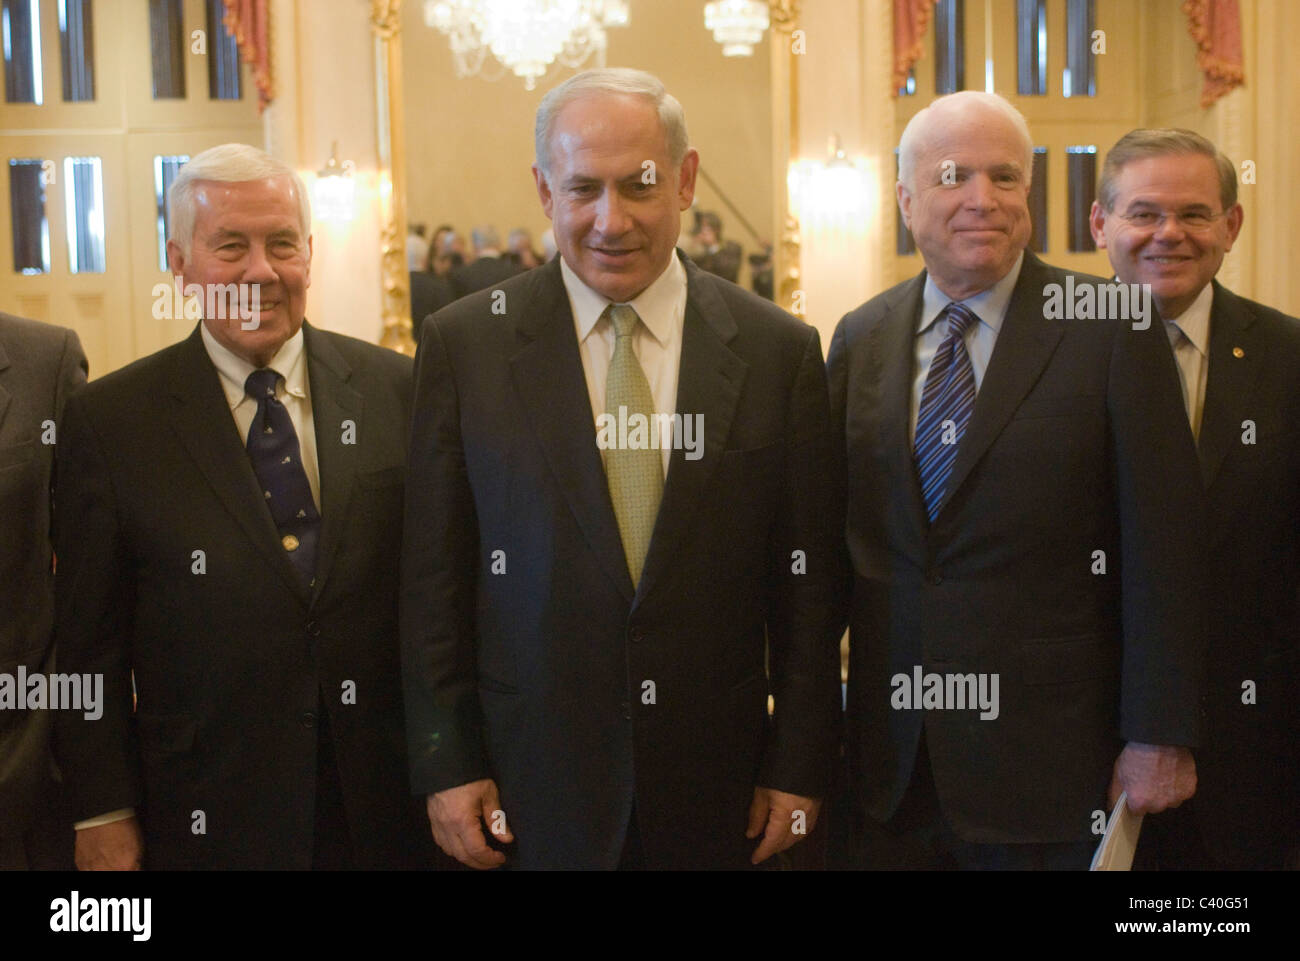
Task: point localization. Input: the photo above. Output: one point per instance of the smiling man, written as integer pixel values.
(1167, 214)
(1017, 510)
(590, 633)
(227, 515)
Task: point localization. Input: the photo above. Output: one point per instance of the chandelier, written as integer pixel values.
(736, 24)
(525, 36)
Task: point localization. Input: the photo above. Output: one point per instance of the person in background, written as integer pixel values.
(521, 250)
(488, 268)
(709, 251)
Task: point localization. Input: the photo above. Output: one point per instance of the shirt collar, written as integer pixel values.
(656, 305)
(1194, 322)
(990, 306)
(234, 370)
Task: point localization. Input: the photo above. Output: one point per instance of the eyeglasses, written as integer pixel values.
(1193, 220)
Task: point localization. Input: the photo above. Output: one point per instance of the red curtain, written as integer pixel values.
(248, 21)
(911, 18)
(1215, 25)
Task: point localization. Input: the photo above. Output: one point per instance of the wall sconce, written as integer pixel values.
(334, 195)
(836, 195)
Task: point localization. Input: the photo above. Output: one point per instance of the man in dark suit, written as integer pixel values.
(589, 647)
(488, 268)
(40, 368)
(1020, 531)
(1167, 214)
(228, 522)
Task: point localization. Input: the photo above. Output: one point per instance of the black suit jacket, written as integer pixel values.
(231, 665)
(1077, 443)
(481, 274)
(1247, 801)
(535, 674)
(41, 366)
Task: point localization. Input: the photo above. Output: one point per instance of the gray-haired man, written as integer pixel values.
(227, 516)
(591, 623)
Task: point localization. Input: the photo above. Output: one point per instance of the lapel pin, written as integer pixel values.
(1238, 352)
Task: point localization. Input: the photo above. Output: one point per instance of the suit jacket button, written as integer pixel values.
(313, 628)
(638, 636)
(309, 719)
(627, 710)
(934, 578)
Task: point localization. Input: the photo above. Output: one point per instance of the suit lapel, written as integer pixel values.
(548, 375)
(333, 401)
(202, 421)
(1024, 345)
(891, 359)
(1229, 379)
(709, 382)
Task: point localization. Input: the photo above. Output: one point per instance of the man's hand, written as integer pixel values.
(117, 846)
(454, 815)
(783, 814)
(1156, 776)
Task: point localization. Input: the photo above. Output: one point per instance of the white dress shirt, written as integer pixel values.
(990, 306)
(657, 342)
(1189, 336)
(292, 390)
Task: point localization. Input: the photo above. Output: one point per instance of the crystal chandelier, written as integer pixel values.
(736, 24)
(525, 36)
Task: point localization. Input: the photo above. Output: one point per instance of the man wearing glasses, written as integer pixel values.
(1167, 214)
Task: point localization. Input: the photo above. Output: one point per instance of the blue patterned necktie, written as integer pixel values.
(946, 405)
(277, 462)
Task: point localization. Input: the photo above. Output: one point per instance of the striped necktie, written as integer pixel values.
(946, 404)
(636, 480)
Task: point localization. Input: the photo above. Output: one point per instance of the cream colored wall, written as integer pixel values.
(470, 141)
(325, 91)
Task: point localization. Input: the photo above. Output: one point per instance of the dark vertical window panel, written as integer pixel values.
(1031, 47)
(1080, 78)
(30, 229)
(83, 185)
(1038, 202)
(1081, 178)
(20, 31)
(904, 242)
(168, 47)
(165, 170)
(77, 46)
(949, 46)
(223, 57)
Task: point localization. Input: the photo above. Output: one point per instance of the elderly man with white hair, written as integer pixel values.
(227, 518)
(1025, 633)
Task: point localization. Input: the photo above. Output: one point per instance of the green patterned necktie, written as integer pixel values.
(636, 480)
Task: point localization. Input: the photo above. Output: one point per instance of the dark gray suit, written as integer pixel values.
(238, 667)
(1077, 443)
(535, 675)
(40, 366)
